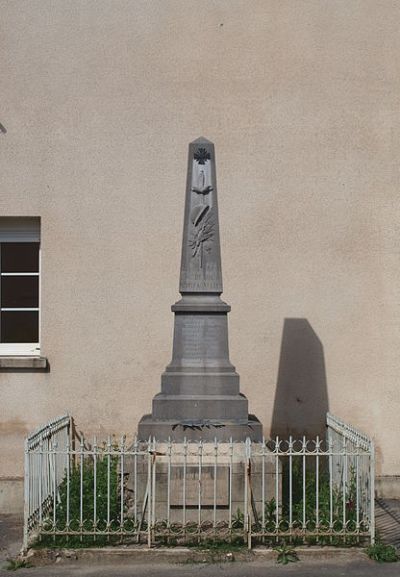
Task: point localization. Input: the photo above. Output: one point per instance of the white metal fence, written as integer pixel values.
(314, 491)
(350, 472)
(44, 471)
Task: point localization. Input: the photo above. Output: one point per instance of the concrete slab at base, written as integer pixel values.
(141, 554)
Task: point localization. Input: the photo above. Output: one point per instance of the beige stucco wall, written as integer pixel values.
(100, 99)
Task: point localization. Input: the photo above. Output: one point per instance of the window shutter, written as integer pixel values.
(19, 229)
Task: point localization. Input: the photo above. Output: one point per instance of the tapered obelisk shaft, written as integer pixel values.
(200, 396)
(201, 254)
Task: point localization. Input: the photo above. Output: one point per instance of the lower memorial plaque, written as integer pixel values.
(203, 487)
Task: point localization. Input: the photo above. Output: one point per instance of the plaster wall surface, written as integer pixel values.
(301, 98)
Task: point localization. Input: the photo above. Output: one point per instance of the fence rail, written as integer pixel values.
(308, 490)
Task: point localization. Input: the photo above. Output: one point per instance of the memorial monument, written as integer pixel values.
(200, 396)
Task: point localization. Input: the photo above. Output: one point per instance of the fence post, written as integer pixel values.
(248, 493)
(26, 495)
(149, 495)
(372, 474)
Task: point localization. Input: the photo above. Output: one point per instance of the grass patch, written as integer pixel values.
(18, 563)
(382, 553)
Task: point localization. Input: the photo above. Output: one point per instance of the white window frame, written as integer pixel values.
(21, 229)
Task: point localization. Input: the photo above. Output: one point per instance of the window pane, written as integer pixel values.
(19, 291)
(19, 327)
(20, 257)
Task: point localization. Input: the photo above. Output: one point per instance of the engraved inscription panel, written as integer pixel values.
(202, 337)
(207, 278)
(192, 486)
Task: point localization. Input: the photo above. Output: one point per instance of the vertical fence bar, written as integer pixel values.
(372, 496)
(36, 476)
(304, 483)
(200, 455)
(33, 499)
(318, 444)
(230, 484)
(153, 491)
(81, 488)
(358, 487)
(290, 484)
(148, 496)
(46, 476)
(94, 487)
(330, 458)
(215, 482)
(109, 484)
(135, 456)
(246, 493)
(33, 491)
(68, 447)
(185, 448)
(26, 495)
(40, 483)
(54, 447)
(344, 478)
(263, 485)
(277, 445)
(122, 473)
(169, 483)
(249, 502)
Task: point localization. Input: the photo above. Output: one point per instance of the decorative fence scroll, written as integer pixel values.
(301, 490)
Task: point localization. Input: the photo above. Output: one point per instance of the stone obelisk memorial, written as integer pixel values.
(200, 396)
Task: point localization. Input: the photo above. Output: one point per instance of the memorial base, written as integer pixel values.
(188, 485)
(224, 431)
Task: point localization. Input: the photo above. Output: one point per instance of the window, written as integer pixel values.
(19, 286)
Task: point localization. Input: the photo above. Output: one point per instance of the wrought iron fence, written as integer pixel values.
(43, 475)
(350, 471)
(302, 490)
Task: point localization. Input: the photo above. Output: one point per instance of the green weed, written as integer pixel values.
(18, 563)
(286, 554)
(382, 553)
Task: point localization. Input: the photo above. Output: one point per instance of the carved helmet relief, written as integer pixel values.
(201, 214)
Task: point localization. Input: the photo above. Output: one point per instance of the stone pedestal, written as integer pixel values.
(227, 484)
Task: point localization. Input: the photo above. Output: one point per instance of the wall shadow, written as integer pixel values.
(301, 396)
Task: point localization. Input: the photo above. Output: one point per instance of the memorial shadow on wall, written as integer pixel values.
(301, 396)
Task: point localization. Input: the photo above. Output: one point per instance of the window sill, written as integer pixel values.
(21, 362)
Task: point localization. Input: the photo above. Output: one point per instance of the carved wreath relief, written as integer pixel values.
(201, 215)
